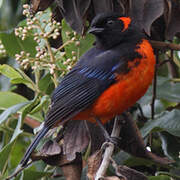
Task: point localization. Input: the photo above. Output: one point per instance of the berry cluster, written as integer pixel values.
(42, 29)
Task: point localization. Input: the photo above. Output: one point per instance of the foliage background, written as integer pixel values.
(29, 78)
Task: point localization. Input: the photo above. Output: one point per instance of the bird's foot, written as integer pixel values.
(113, 140)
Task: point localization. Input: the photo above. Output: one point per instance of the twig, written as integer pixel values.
(163, 45)
(154, 88)
(109, 150)
(172, 68)
(116, 167)
(18, 170)
(168, 174)
(62, 46)
(163, 62)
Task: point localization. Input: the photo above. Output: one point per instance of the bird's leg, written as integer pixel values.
(114, 140)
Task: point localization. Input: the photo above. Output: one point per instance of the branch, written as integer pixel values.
(163, 45)
(109, 150)
(154, 92)
(18, 170)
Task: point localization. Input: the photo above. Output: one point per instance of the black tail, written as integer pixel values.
(33, 145)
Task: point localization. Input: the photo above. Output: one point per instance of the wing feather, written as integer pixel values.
(76, 92)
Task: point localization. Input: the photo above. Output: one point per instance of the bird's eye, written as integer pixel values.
(110, 22)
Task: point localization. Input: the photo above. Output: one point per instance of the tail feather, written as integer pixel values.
(33, 145)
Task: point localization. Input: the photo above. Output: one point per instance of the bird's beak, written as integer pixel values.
(94, 30)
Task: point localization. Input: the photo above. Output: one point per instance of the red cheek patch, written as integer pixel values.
(126, 21)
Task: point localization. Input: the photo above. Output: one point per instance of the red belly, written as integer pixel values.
(129, 88)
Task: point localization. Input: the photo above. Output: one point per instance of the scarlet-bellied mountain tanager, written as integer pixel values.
(107, 80)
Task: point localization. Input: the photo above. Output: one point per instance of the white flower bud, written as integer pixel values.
(25, 6)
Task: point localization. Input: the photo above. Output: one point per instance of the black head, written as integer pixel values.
(111, 29)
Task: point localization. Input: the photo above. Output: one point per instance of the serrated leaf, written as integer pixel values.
(168, 121)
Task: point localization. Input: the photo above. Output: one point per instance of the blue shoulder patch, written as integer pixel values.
(96, 73)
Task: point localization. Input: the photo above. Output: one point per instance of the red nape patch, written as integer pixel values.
(126, 21)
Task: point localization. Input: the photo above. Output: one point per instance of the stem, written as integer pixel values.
(18, 171)
(65, 44)
(163, 45)
(109, 150)
(53, 60)
(168, 174)
(154, 88)
(37, 76)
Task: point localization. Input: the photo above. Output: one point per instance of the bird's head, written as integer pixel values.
(111, 29)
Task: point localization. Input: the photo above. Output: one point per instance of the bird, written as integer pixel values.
(108, 79)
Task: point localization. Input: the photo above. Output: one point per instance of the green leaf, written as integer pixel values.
(166, 90)
(136, 161)
(29, 107)
(18, 149)
(162, 177)
(43, 101)
(45, 82)
(37, 116)
(8, 99)
(30, 83)
(5, 154)
(11, 110)
(168, 121)
(29, 174)
(85, 42)
(16, 76)
(1, 2)
(14, 45)
(19, 176)
(158, 108)
(17, 130)
(170, 146)
(121, 157)
(9, 72)
(19, 81)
